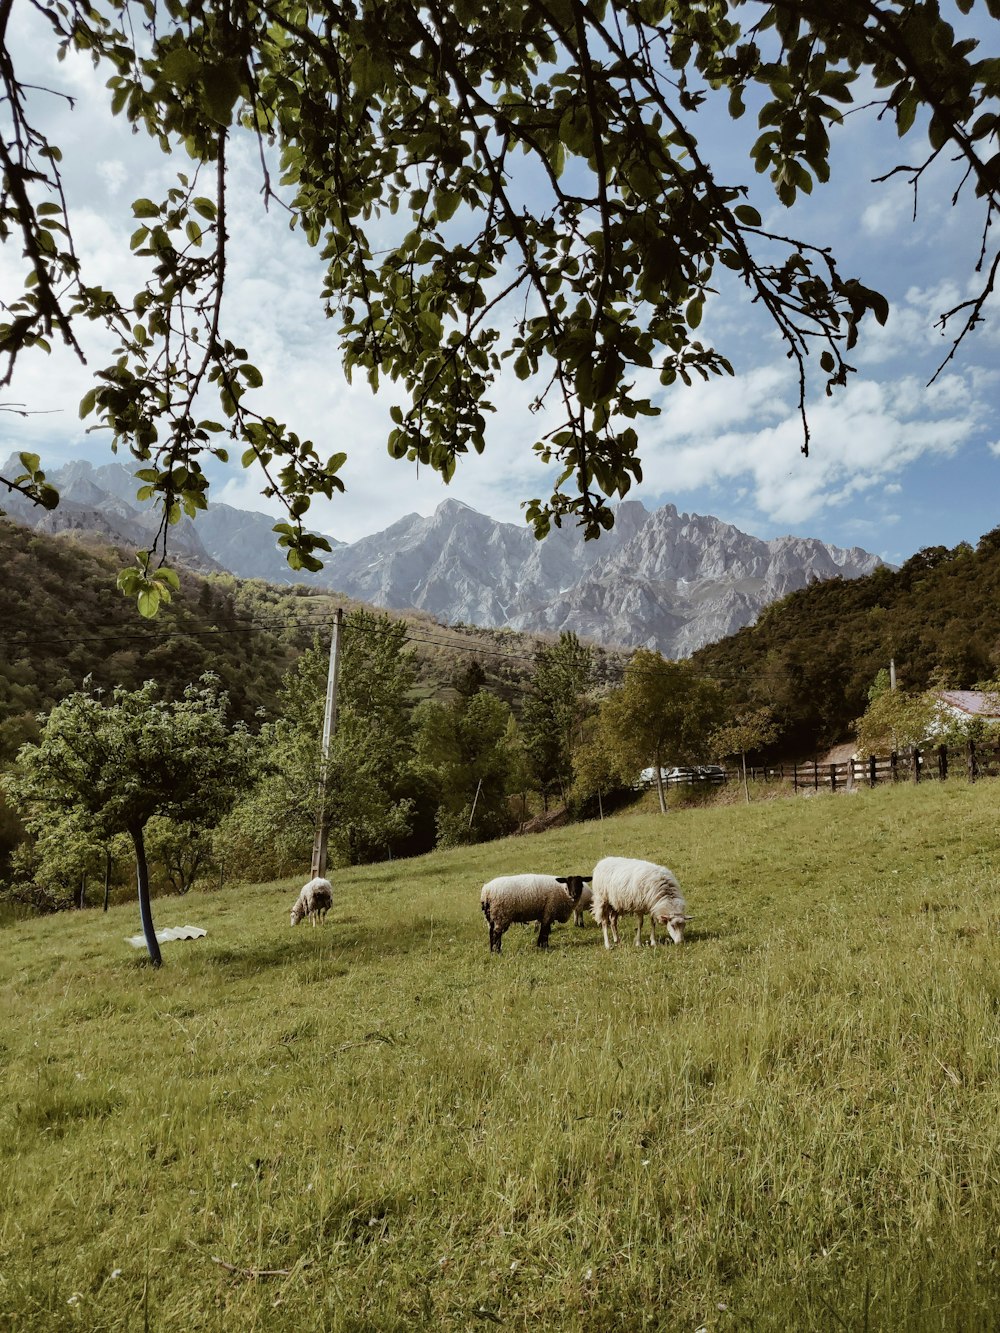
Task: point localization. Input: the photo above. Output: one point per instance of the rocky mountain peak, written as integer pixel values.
(661, 578)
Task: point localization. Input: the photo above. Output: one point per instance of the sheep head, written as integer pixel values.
(573, 884)
(674, 921)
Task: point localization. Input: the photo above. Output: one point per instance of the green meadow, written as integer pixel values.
(792, 1121)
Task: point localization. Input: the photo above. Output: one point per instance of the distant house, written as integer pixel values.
(965, 706)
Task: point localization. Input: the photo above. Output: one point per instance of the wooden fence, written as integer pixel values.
(927, 764)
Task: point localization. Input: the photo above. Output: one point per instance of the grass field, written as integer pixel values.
(790, 1122)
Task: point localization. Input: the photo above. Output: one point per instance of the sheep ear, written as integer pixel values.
(560, 879)
(687, 918)
(587, 878)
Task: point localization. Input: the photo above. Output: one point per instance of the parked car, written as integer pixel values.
(711, 773)
(681, 775)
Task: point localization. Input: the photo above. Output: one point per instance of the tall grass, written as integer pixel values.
(790, 1122)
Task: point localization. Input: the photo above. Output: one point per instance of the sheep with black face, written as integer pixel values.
(542, 898)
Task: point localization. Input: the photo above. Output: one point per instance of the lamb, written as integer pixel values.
(541, 898)
(584, 903)
(314, 901)
(626, 887)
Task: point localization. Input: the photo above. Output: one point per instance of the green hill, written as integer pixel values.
(62, 619)
(813, 655)
(788, 1122)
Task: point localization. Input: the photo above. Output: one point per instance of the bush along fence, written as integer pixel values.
(918, 764)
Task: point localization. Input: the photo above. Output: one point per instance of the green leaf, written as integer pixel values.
(747, 215)
(148, 602)
(446, 204)
(222, 89)
(167, 575)
(180, 67)
(145, 208)
(905, 114)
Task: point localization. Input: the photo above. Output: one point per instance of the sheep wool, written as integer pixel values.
(623, 886)
(314, 901)
(542, 898)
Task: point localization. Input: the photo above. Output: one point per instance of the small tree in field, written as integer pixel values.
(662, 714)
(118, 764)
(894, 719)
(748, 731)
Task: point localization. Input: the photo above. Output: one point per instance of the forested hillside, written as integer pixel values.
(813, 656)
(428, 745)
(62, 618)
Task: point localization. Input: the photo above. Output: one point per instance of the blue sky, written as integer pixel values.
(894, 465)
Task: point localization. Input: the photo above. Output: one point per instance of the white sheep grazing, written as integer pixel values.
(541, 898)
(583, 905)
(625, 887)
(314, 901)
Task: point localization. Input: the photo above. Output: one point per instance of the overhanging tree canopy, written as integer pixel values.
(588, 265)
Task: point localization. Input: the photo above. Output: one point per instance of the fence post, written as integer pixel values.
(894, 766)
(972, 760)
(795, 778)
(815, 775)
(833, 777)
(915, 763)
(872, 770)
(942, 762)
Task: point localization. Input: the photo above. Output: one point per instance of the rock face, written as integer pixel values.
(660, 579)
(663, 580)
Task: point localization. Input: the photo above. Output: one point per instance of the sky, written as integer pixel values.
(894, 465)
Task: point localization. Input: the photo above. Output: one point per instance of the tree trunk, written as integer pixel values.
(107, 879)
(145, 909)
(746, 785)
(659, 789)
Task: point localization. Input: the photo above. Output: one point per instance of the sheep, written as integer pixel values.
(314, 901)
(541, 898)
(582, 906)
(626, 887)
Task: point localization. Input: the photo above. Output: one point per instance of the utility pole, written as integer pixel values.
(329, 728)
(892, 673)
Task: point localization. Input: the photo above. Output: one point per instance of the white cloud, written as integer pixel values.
(864, 437)
(114, 174)
(885, 215)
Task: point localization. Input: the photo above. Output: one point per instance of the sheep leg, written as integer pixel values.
(543, 934)
(604, 927)
(614, 928)
(638, 932)
(652, 932)
(496, 939)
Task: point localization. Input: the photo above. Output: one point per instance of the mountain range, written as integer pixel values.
(660, 579)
